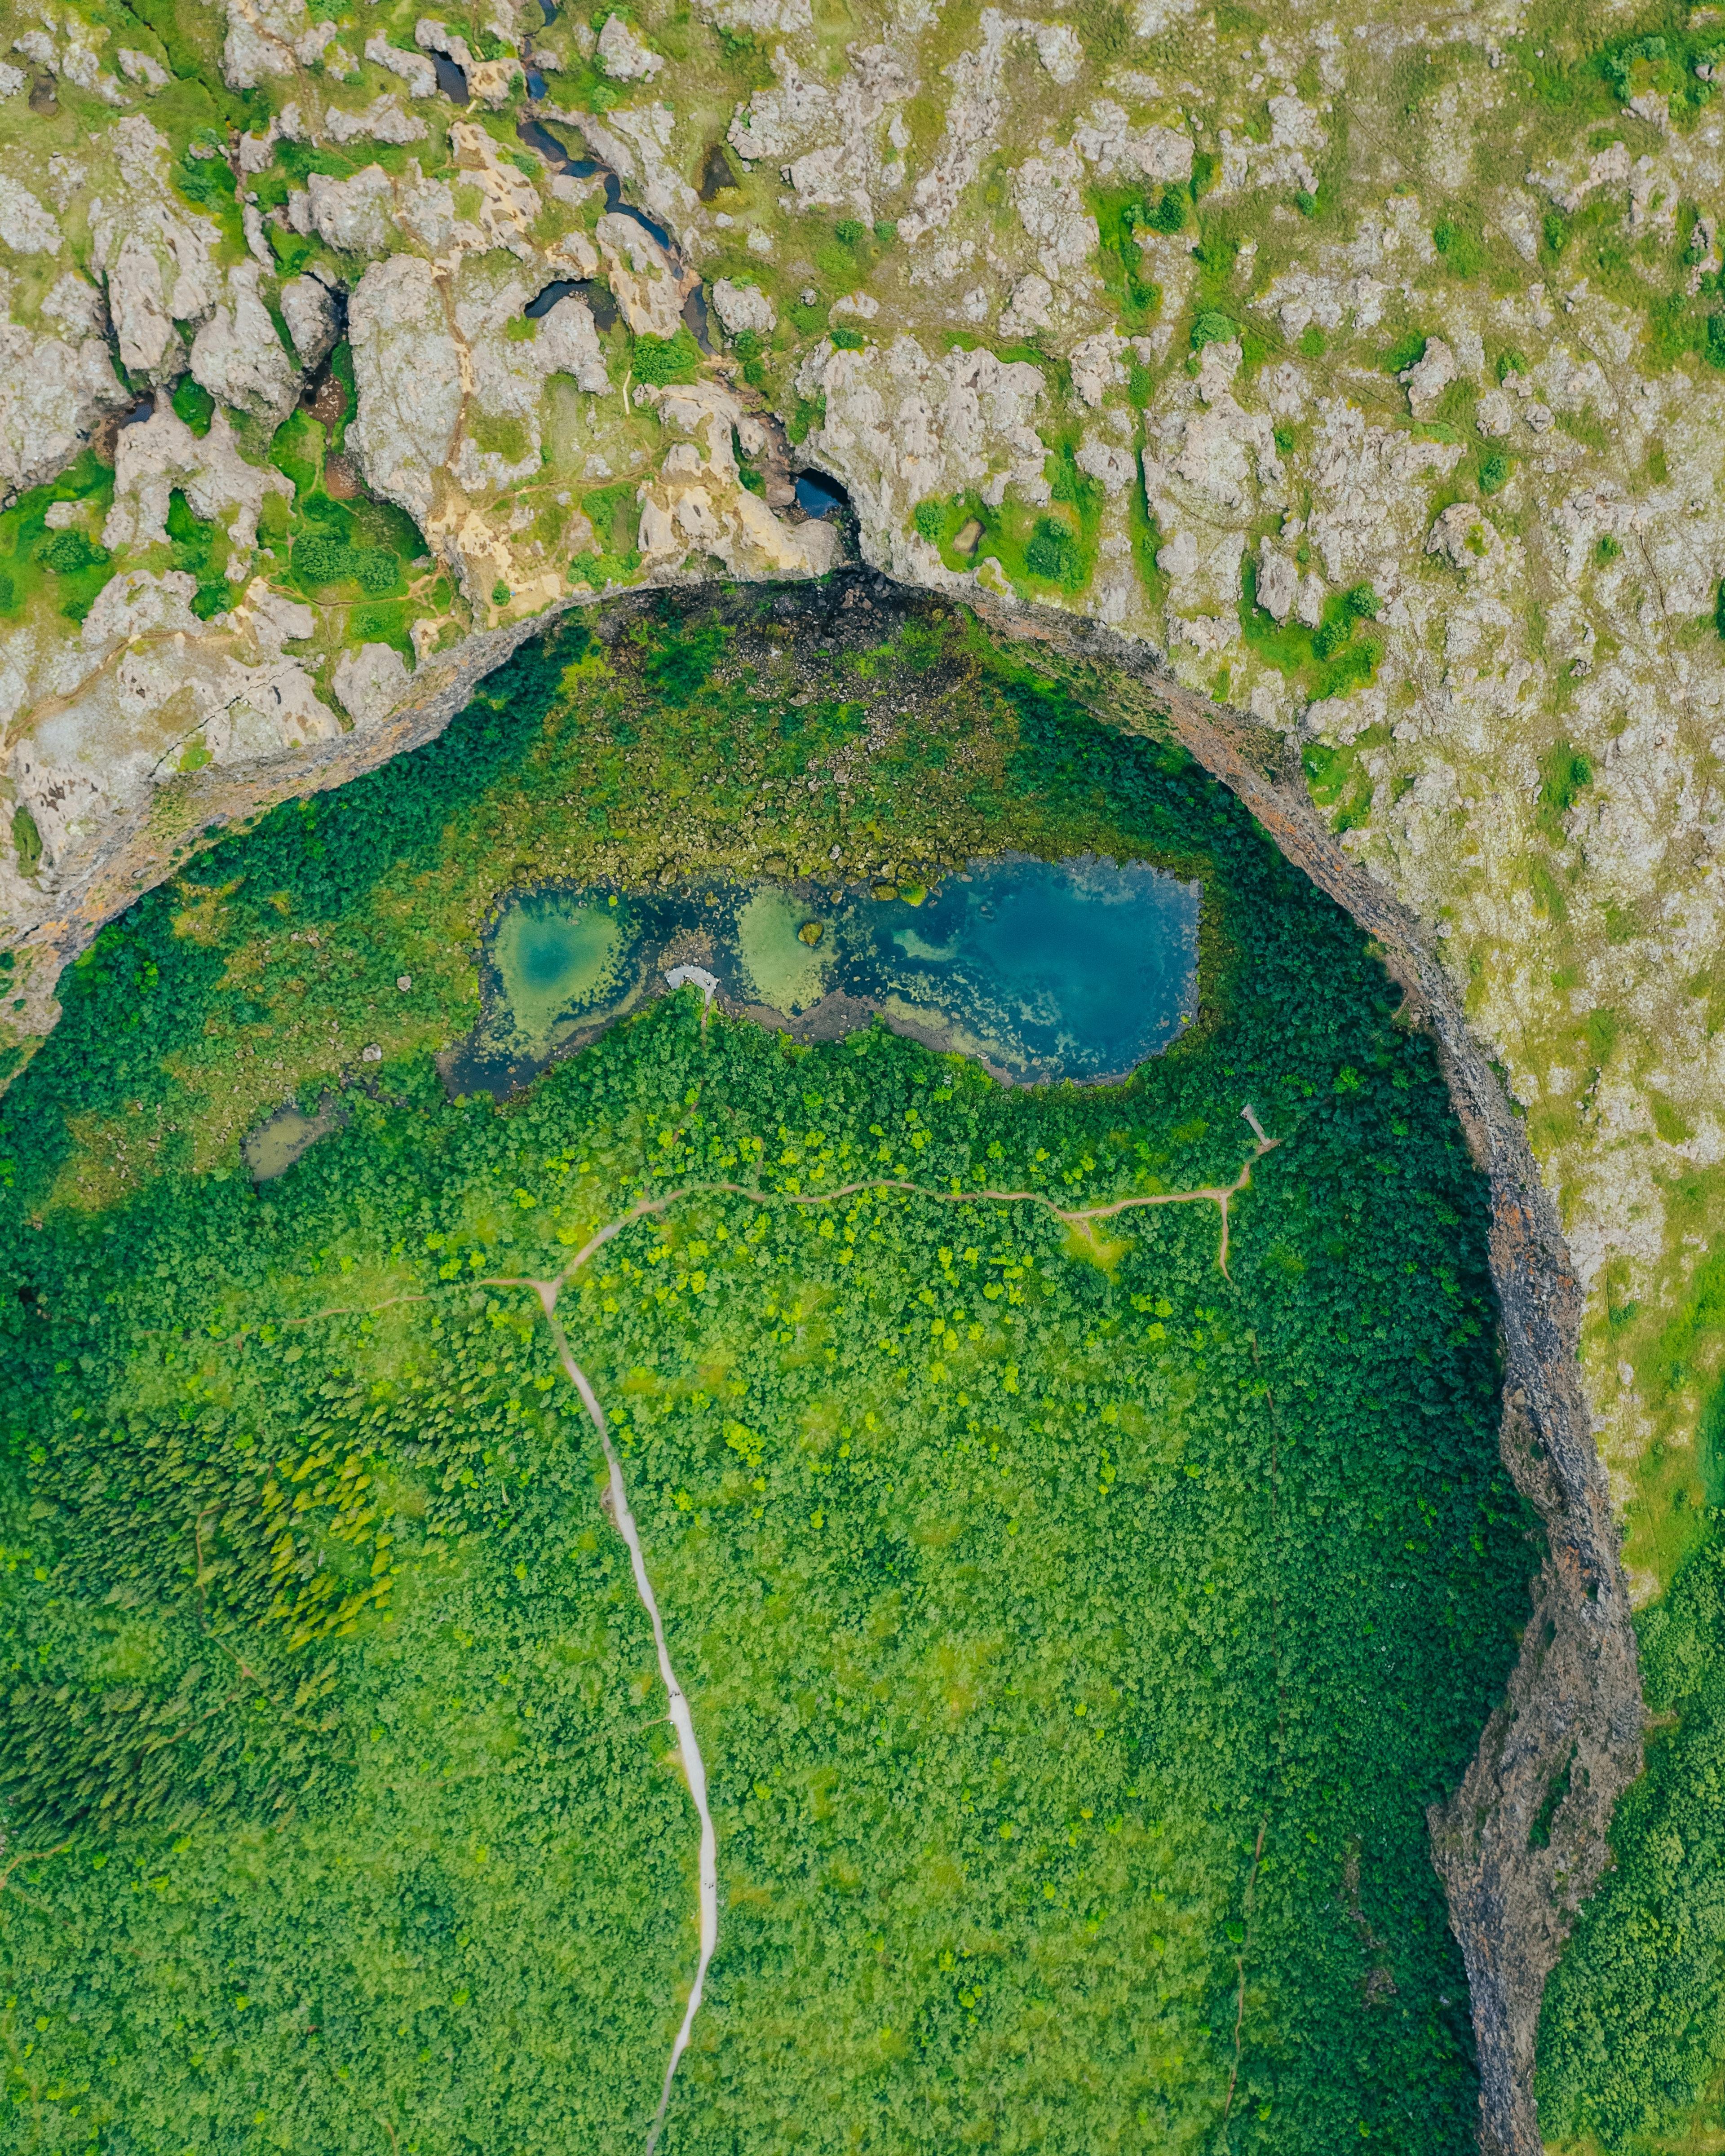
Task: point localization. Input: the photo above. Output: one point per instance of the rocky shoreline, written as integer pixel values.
(1570, 1727)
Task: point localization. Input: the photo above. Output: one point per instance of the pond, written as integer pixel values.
(1042, 971)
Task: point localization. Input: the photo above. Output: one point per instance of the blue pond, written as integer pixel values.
(1042, 971)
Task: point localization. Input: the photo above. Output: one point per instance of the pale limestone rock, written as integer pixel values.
(1465, 538)
(158, 258)
(159, 454)
(646, 288)
(1107, 139)
(138, 604)
(408, 371)
(415, 70)
(314, 322)
(902, 424)
(826, 135)
(369, 683)
(1059, 50)
(1048, 193)
(1110, 462)
(1429, 375)
(699, 500)
(352, 215)
(742, 307)
(76, 306)
(266, 710)
(52, 394)
(382, 120)
(1309, 606)
(974, 112)
(763, 17)
(432, 36)
(622, 54)
(1278, 582)
(272, 620)
(12, 80)
(1493, 414)
(1096, 363)
(261, 38)
(26, 227)
(510, 202)
(236, 355)
(1027, 311)
(141, 68)
(567, 343)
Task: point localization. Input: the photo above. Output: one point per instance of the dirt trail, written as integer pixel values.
(694, 1765)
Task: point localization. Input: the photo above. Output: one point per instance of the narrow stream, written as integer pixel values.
(682, 1721)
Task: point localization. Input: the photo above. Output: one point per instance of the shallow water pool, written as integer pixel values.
(1041, 970)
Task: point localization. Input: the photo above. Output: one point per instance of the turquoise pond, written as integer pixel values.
(1042, 971)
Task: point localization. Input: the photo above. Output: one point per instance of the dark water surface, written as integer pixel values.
(1042, 970)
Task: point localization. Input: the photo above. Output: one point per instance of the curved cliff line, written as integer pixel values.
(1569, 1725)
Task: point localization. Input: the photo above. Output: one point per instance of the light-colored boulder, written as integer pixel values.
(157, 455)
(622, 54)
(1278, 582)
(1112, 463)
(415, 70)
(141, 68)
(313, 319)
(902, 424)
(567, 343)
(1429, 377)
(266, 710)
(261, 41)
(646, 286)
(237, 356)
(1097, 368)
(52, 394)
(352, 215)
(382, 120)
(1107, 139)
(407, 372)
(26, 227)
(742, 307)
(369, 683)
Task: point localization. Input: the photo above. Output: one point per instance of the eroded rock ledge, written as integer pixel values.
(1570, 1724)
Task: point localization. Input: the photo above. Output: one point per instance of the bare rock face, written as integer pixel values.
(314, 322)
(645, 281)
(353, 215)
(901, 426)
(160, 455)
(408, 370)
(1429, 375)
(236, 355)
(369, 683)
(1278, 582)
(53, 393)
(156, 256)
(742, 307)
(622, 54)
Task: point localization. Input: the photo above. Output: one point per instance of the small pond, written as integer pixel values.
(1041, 970)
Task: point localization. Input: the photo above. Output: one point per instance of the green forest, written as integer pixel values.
(1076, 1631)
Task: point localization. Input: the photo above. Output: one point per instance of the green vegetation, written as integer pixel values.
(1333, 660)
(666, 359)
(1633, 2033)
(67, 567)
(1075, 1631)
